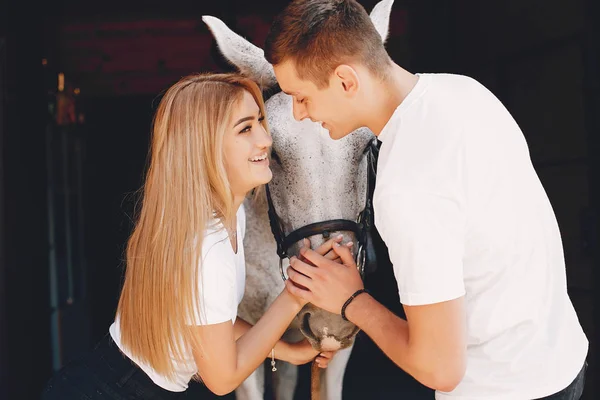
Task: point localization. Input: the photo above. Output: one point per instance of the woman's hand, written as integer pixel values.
(302, 352)
(326, 249)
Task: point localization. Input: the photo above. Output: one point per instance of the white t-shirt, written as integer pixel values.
(221, 288)
(463, 213)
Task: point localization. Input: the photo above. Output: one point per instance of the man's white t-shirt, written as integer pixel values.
(463, 213)
(221, 288)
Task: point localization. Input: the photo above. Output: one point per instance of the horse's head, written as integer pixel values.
(315, 178)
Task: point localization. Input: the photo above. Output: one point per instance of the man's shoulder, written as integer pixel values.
(446, 103)
(456, 88)
(449, 78)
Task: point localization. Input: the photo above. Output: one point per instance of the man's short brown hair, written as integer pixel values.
(319, 35)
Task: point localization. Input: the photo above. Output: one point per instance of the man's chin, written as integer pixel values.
(337, 135)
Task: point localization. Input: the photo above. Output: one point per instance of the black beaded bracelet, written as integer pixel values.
(350, 301)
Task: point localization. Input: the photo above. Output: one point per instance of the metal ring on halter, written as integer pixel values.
(281, 269)
(361, 257)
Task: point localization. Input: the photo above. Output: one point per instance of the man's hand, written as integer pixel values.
(324, 283)
(325, 250)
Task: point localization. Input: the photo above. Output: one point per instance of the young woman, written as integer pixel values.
(185, 272)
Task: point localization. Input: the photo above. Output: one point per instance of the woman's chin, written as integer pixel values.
(261, 180)
(266, 177)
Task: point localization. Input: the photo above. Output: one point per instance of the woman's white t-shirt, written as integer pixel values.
(221, 288)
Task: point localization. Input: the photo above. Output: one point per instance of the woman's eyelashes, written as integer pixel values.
(248, 127)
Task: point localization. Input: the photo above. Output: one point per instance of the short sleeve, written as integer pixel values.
(216, 285)
(424, 233)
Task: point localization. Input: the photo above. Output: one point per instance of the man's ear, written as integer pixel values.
(347, 77)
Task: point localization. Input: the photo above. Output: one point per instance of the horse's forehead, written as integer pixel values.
(307, 138)
(289, 134)
(279, 112)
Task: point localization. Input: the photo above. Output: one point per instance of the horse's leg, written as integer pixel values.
(253, 388)
(332, 378)
(285, 380)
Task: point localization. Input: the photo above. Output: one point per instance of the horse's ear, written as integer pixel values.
(248, 58)
(380, 16)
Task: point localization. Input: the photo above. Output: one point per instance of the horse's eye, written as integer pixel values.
(275, 157)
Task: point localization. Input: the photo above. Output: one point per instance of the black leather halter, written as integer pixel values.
(361, 227)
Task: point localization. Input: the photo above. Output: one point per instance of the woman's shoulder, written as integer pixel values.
(216, 239)
(215, 236)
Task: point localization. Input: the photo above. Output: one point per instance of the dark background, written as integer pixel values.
(66, 189)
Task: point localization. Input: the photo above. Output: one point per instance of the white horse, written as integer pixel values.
(314, 179)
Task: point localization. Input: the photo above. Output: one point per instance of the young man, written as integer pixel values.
(474, 241)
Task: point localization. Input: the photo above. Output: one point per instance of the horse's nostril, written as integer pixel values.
(305, 328)
(305, 321)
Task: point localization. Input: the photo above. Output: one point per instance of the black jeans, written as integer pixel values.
(104, 373)
(573, 391)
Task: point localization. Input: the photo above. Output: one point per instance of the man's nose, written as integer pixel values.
(299, 111)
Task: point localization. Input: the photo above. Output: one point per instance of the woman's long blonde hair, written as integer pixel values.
(185, 182)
